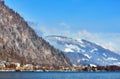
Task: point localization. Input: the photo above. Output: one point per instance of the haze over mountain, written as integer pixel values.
(96, 20)
(83, 51)
(19, 43)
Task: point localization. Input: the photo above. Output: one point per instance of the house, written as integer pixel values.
(2, 65)
(28, 67)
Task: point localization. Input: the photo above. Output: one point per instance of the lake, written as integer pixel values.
(59, 75)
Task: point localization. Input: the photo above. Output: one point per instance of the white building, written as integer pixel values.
(2, 65)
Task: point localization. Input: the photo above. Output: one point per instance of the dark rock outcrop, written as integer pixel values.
(19, 43)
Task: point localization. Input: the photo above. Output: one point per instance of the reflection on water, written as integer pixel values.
(59, 75)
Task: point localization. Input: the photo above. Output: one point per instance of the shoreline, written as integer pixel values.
(57, 71)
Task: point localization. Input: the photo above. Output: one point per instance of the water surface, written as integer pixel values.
(59, 75)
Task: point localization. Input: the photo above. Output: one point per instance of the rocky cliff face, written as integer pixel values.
(19, 43)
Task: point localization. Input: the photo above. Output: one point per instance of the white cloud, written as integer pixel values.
(108, 45)
(48, 31)
(65, 25)
(43, 29)
(84, 34)
(107, 40)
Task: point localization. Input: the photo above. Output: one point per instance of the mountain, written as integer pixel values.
(19, 42)
(83, 51)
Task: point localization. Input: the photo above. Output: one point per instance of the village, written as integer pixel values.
(17, 67)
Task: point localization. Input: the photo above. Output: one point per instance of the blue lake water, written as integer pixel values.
(59, 75)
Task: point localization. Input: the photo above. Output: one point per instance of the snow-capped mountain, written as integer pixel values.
(83, 51)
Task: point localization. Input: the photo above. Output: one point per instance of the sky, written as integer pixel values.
(94, 20)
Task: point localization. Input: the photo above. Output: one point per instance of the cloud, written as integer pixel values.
(107, 40)
(40, 29)
(35, 26)
(65, 25)
(48, 31)
(109, 45)
(56, 31)
(84, 34)
(43, 29)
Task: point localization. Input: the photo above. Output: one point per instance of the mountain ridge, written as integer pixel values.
(83, 51)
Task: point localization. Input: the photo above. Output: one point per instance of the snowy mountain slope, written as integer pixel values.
(83, 51)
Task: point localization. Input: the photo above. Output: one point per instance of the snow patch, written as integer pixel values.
(99, 59)
(72, 47)
(84, 59)
(80, 41)
(78, 61)
(104, 55)
(87, 56)
(58, 38)
(68, 50)
(111, 58)
(95, 49)
(117, 63)
(82, 45)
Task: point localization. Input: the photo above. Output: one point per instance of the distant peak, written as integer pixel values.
(58, 36)
(62, 37)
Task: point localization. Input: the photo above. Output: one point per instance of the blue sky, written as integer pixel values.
(96, 19)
